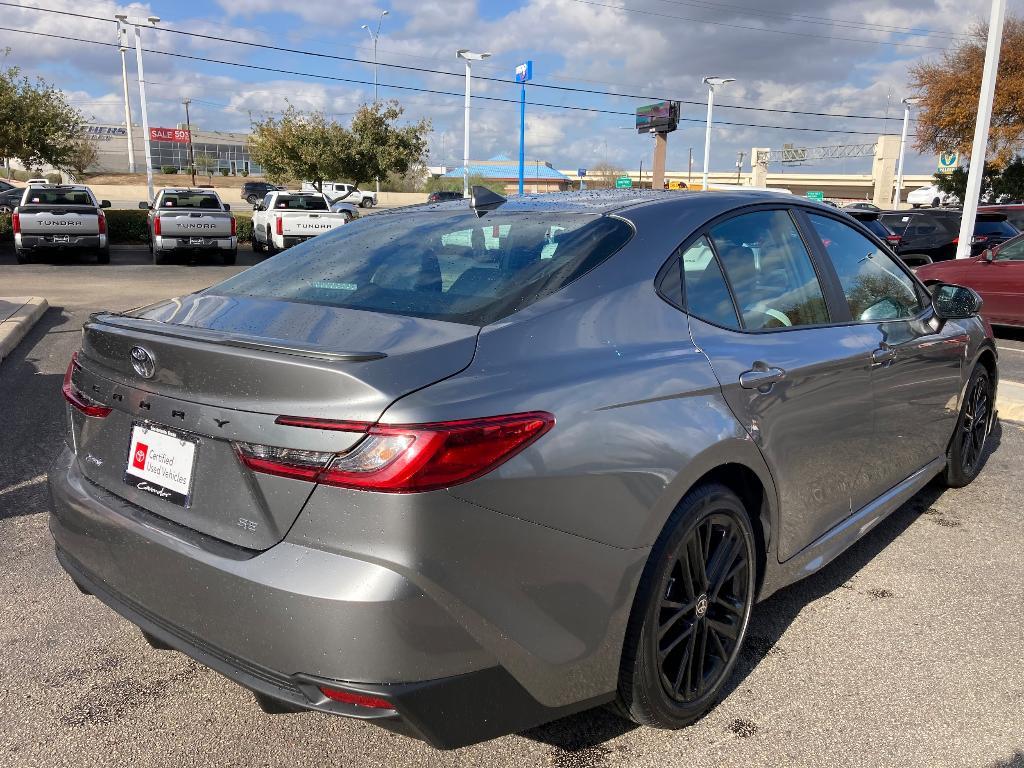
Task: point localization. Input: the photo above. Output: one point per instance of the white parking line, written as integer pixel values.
(38, 479)
(1011, 349)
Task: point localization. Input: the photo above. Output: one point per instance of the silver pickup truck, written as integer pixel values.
(191, 222)
(60, 217)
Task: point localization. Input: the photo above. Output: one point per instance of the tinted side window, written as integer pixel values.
(1011, 251)
(875, 286)
(707, 294)
(770, 271)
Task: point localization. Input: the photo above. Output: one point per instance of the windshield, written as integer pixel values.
(442, 265)
(300, 203)
(1001, 228)
(876, 227)
(42, 196)
(190, 200)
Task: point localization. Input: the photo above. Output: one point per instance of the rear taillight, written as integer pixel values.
(16, 222)
(979, 239)
(359, 699)
(280, 225)
(76, 398)
(101, 224)
(156, 225)
(403, 458)
(234, 226)
(893, 239)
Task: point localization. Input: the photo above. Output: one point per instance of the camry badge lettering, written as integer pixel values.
(143, 362)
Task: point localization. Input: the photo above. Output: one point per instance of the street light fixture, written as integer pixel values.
(907, 104)
(122, 46)
(468, 56)
(711, 82)
(375, 36)
(137, 23)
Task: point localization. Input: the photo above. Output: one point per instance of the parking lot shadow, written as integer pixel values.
(586, 731)
(33, 431)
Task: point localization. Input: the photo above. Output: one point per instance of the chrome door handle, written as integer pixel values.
(883, 355)
(761, 377)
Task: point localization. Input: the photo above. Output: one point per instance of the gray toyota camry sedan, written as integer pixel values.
(460, 469)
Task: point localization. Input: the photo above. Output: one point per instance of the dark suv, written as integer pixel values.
(934, 232)
(440, 197)
(254, 191)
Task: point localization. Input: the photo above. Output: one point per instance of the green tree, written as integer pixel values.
(1011, 181)
(37, 125)
(380, 147)
(454, 184)
(83, 157)
(206, 163)
(956, 182)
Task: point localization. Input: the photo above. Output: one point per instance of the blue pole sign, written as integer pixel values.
(524, 73)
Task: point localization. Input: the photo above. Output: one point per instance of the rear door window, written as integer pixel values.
(44, 196)
(707, 293)
(442, 265)
(190, 200)
(770, 271)
(300, 203)
(875, 286)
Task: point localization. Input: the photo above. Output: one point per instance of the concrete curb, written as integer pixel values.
(1011, 401)
(18, 315)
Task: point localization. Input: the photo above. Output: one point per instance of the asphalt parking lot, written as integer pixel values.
(905, 651)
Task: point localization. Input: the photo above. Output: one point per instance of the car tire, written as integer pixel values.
(230, 258)
(271, 248)
(5, 209)
(966, 453)
(365, 202)
(347, 216)
(158, 257)
(22, 257)
(690, 610)
(103, 256)
(936, 202)
(252, 199)
(257, 246)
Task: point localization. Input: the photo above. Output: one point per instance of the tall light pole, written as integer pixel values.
(375, 36)
(711, 82)
(137, 23)
(468, 56)
(988, 89)
(122, 46)
(907, 104)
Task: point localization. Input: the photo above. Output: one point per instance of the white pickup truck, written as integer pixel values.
(65, 217)
(338, 192)
(284, 219)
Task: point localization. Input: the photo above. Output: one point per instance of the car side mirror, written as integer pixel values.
(257, 207)
(955, 302)
(227, 207)
(988, 255)
(143, 206)
(104, 203)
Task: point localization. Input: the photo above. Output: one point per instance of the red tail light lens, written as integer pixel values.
(76, 398)
(359, 699)
(234, 226)
(156, 225)
(894, 239)
(101, 224)
(16, 222)
(280, 225)
(405, 458)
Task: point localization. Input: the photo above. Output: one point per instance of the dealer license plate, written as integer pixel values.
(161, 462)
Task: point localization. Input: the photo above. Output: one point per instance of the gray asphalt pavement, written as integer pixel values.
(905, 651)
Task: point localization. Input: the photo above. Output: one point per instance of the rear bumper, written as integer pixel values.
(25, 242)
(284, 621)
(162, 243)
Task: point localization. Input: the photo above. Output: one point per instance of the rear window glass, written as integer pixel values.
(42, 196)
(876, 227)
(1003, 228)
(446, 266)
(300, 203)
(189, 200)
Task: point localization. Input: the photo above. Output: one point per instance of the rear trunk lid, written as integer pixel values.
(62, 220)
(223, 369)
(185, 223)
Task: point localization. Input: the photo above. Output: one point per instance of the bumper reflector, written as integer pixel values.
(359, 699)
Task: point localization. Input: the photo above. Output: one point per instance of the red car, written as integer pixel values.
(997, 274)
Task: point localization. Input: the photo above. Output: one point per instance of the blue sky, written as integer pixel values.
(810, 55)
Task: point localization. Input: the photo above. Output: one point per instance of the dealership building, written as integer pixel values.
(170, 147)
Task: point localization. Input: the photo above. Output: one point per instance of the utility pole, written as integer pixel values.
(191, 154)
(689, 172)
(903, 147)
(122, 46)
(468, 56)
(711, 82)
(524, 73)
(978, 148)
(739, 165)
(375, 36)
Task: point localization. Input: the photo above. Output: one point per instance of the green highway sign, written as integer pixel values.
(819, 196)
(623, 182)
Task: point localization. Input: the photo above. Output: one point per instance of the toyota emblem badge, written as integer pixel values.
(143, 362)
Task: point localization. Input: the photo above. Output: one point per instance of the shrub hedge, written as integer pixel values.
(129, 227)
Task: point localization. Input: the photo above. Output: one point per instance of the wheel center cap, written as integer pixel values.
(702, 606)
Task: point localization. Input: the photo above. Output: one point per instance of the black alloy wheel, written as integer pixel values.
(691, 611)
(702, 606)
(966, 453)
